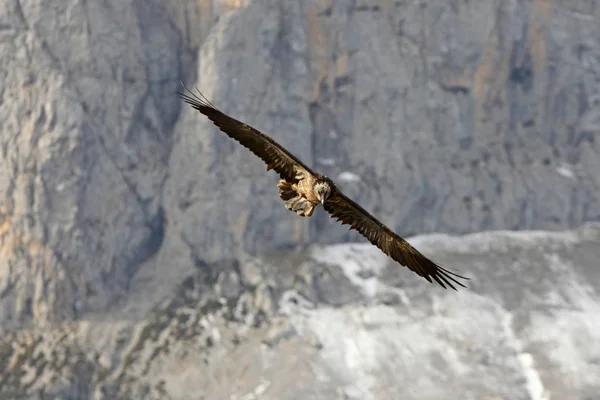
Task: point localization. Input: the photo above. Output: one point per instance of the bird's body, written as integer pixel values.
(303, 190)
(303, 196)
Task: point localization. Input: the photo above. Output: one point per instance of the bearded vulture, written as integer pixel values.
(303, 190)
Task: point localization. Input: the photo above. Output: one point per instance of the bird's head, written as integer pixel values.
(322, 188)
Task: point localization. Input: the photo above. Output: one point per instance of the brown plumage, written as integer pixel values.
(303, 190)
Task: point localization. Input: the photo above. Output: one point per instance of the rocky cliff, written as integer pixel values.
(438, 116)
(340, 322)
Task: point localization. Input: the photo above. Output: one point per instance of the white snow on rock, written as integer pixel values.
(349, 177)
(566, 171)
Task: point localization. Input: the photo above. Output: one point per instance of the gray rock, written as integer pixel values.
(431, 122)
(127, 220)
(280, 329)
(103, 175)
(250, 271)
(326, 285)
(526, 328)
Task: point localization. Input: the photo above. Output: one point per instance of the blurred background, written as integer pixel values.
(145, 255)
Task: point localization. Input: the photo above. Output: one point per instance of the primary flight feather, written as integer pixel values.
(303, 190)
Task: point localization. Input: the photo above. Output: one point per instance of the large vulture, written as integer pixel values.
(303, 190)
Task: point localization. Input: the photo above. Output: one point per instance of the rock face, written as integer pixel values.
(437, 116)
(341, 322)
(451, 117)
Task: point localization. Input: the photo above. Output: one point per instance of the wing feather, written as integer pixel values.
(346, 211)
(272, 153)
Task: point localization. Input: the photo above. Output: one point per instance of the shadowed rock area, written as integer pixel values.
(145, 255)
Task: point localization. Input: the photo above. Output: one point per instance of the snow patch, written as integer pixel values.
(535, 387)
(349, 177)
(534, 384)
(361, 345)
(257, 392)
(482, 242)
(566, 171)
(365, 346)
(571, 333)
(330, 162)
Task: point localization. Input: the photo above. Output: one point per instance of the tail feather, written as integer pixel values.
(293, 201)
(285, 190)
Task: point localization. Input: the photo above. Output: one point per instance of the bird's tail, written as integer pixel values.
(285, 190)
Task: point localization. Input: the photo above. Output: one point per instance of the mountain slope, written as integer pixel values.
(341, 322)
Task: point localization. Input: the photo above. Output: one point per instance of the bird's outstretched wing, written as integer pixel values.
(346, 211)
(272, 153)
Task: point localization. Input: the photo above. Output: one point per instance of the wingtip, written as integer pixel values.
(445, 277)
(182, 94)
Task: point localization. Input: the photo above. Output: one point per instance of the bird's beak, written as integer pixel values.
(323, 201)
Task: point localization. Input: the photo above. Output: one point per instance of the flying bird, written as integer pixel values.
(303, 190)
